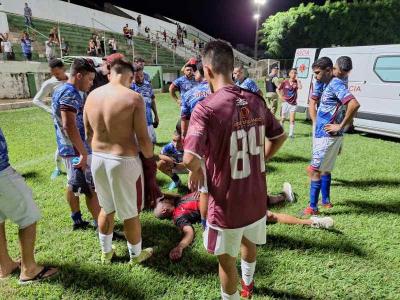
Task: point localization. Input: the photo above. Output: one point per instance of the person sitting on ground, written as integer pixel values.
(16, 204)
(185, 211)
(170, 162)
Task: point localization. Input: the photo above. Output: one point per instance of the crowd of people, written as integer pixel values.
(105, 120)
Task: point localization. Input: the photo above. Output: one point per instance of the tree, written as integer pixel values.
(334, 23)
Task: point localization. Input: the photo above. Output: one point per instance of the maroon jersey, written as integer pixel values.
(228, 129)
(289, 91)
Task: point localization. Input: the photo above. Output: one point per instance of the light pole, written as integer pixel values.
(257, 15)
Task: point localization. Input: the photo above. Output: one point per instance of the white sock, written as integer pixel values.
(106, 242)
(134, 250)
(291, 129)
(248, 270)
(58, 160)
(226, 296)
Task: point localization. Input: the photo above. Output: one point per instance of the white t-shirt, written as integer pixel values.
(7, 46)
(49, 48)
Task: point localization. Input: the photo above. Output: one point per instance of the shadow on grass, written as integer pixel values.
(374, 207)
(288, 158)
(365, 183)
(276, 241)
(270, 168)
(161, 144)
(380, 137)
(277, 294)
(81, 277)
(31, 175)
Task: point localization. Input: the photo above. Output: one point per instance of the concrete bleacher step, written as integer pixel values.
(7, 104)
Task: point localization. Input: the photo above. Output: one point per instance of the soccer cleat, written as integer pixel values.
(55, 174)
(327, 205)
(106, 258)
(288, 192)
(174, 185)
(143, 256)
(325, 222)
(247, 290)
(82, 225)
(310, 211)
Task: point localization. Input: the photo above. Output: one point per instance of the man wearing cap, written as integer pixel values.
(101, 77)
(271, 85)
(139, 61)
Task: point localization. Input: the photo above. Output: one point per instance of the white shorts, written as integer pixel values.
(152, 133)
(119, 184)
(16, 200)
(325, 152)
(218, 241)
(69, 166)
(288, 108)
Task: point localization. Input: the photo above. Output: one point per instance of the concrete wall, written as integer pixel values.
(3, 23)
(68, 13)
(13, 78)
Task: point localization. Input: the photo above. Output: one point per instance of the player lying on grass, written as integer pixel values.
(185, 211)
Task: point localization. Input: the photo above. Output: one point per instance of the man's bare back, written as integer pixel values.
(115, 115)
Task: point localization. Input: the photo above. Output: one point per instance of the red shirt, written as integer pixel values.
(228, 129)
(289, 91)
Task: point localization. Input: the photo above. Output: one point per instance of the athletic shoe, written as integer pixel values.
(143, 256)
(174, 185)
(107, 257)
(309, 212)
(327, 205)
(55, 174)
(288, 192)
(325, 222)
(247, 290)
(82, 225)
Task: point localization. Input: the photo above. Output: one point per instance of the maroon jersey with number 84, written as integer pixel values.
(228, 129)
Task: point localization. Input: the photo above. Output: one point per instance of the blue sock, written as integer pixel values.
(315, 187)
(77, 217)
(326, 188)
(175, 177)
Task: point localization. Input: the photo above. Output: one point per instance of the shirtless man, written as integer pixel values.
(113, 116)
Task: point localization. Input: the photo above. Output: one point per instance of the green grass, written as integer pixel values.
(358, 260)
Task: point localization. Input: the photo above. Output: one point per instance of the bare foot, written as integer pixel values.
(33, 274)
(9, 269)
(176, 253)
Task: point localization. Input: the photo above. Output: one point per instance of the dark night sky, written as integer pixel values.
(231, 20)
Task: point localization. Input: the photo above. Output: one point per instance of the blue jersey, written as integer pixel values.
(171, 151)
(146, 91)
(192, 97)
(67, 98)
(318, 88)
(332, 106)
(26, 45)
(4, 162)
(184, 84)
(248, 84)
(146, 77)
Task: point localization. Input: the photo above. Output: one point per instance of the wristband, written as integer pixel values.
(204, 223)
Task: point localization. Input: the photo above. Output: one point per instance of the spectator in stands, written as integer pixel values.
(50, 48)
(112, 45)
(125, 31)
(28, 15)
(165, 35)
(64, 47)
(1, 50)
(147, 31)
(139, 22)
(91, 50)
(102, 45)
(184, 32)
(194, 43)
(8, 53)
(54, 34)
(97, 42)
(128, 34)
(26, 45)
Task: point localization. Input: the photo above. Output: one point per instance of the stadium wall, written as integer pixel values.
(19, 80)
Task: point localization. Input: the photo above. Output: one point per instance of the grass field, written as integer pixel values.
(357, 260)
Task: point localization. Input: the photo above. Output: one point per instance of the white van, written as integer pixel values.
(374, 81)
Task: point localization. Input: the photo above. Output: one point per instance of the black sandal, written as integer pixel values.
(39, 277)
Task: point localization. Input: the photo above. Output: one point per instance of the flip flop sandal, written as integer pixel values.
(39, 277)
(15, 271)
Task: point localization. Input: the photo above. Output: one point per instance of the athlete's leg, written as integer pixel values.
(93, 206)
(228, 276)
(7, 265)
(292, 118)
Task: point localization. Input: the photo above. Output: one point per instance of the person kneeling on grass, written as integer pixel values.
(185, 211)
(170, 162)
(16, 204)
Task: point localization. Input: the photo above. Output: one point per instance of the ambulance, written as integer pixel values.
(374, 81)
